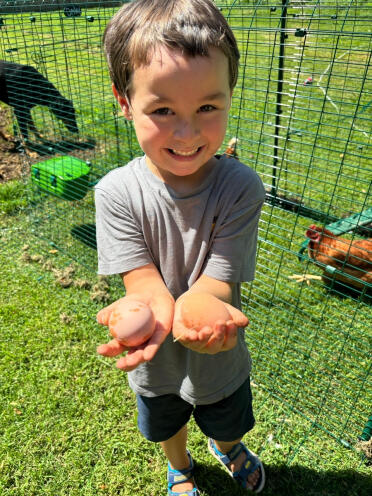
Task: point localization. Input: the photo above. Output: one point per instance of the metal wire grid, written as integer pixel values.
(314, 135)
(310, 141)
(303, 118)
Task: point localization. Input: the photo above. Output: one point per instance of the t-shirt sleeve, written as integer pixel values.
(120, 242)
(232, 256)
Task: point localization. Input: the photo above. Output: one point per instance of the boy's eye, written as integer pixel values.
(207, 108)
(163, 111)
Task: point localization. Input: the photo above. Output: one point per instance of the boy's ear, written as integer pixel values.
(123, 102)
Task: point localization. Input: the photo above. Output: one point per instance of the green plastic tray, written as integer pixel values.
(66, 177)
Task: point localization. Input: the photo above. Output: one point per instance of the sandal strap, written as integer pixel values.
(235, 452)
(230, 456)
(250, 464)
(179, 476)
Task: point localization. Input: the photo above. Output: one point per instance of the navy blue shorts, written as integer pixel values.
(161, 417)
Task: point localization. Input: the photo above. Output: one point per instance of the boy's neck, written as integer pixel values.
(183, 184)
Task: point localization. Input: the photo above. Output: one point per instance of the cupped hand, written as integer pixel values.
(162, 306)
(222, 336)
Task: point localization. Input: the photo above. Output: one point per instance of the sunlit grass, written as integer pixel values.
(67, 420)
(68, 425)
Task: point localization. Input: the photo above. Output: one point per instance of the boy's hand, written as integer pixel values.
(162, 307)
(222, 337)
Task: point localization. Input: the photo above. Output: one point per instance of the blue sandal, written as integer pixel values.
(251, 463)
(179, 476)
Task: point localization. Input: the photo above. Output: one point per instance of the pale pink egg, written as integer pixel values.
(131, 322)
(202, 309)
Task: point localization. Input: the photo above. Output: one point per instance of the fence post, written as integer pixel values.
(279, 91)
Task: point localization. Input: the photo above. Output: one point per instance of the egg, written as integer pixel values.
(202, 309)
(131, 322)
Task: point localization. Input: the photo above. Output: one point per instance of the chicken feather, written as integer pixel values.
(351, 257)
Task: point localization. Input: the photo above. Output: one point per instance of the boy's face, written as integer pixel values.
(179, 106)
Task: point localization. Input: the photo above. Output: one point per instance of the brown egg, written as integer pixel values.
(202, 309)
(132, 322)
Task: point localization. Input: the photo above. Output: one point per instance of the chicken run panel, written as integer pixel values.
(302, 116)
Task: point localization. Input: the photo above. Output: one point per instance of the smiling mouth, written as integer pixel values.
(183, 153)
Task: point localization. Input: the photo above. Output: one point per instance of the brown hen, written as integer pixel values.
(231, 148)
(353, 258)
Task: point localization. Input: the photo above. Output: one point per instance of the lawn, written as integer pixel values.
(68, 423)
(67, 419)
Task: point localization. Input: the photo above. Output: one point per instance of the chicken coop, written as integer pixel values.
(302, 115)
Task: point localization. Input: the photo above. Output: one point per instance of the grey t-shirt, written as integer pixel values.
(212, 231)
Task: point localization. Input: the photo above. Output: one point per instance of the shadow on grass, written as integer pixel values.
(86, 233)
(283, 480)
(342, 291)
(48, 147)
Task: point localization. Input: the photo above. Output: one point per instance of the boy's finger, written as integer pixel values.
(150, 351)
(231, 336)
(103, 315)
(151, 347)
(111, 349)
(219, 330)
(238, 317)
(205, 334)
(189, 336)
(130, 361)
(215, 345)
(216, 339)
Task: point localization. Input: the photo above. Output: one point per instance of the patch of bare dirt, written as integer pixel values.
(15, 161)
(12, 164)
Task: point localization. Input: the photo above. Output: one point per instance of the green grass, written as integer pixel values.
(13, 197)
(322, 162)
(68, 423)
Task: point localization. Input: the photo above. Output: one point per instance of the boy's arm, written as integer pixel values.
(223, 336)
(143, 284)
(205, 284)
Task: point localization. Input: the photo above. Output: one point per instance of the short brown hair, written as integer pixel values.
(192, 26)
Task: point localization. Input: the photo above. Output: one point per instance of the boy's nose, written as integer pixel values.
(186, 129)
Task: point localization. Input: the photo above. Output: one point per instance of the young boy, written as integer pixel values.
(181, 220)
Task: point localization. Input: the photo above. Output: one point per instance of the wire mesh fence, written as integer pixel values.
(302, 114)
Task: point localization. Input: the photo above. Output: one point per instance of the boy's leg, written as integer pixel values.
(236, 464)
(228, 419)
(175, 450)
(166, 417)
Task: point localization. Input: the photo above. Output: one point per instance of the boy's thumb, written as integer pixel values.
(103, 317)
(237, 316)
